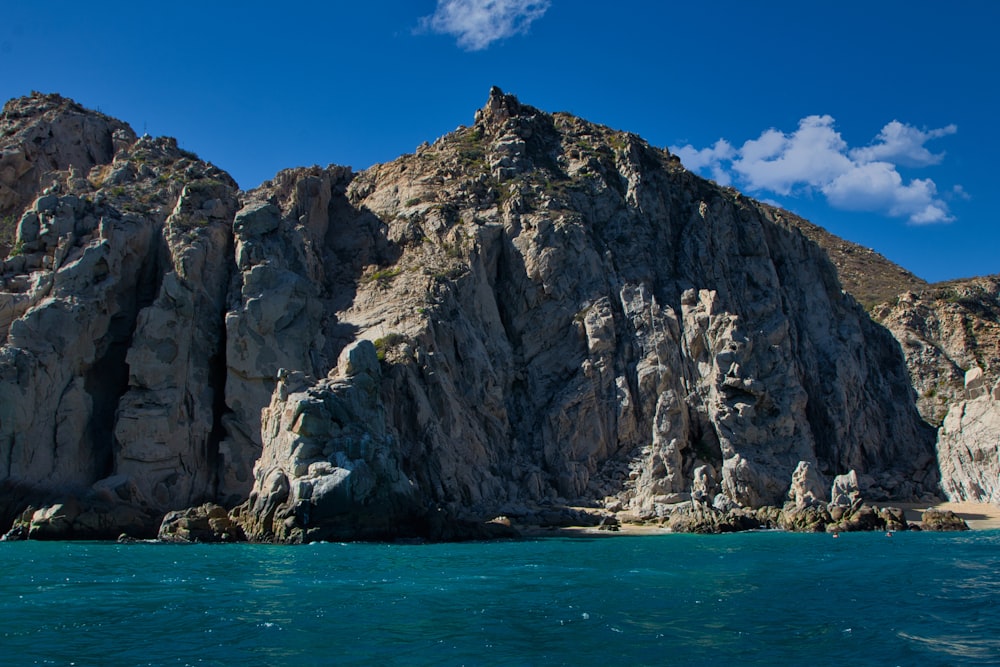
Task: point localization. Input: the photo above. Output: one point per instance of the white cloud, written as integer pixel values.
(778, 162)
(959, 192)
(816, 158)
(710, 158)
(903, 145)
(877, 186)
(479, 23)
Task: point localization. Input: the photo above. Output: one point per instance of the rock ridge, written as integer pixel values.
(533, 312)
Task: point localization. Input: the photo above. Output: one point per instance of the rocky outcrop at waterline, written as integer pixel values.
(533, 312)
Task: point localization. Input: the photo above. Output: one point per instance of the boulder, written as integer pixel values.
(807, 488)
(942, 520)
(805, 518)
(845, 492)
(205, 523)
(691, 518)
(81, 519)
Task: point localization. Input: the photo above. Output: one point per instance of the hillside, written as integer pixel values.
(530, 315)
(865, 274)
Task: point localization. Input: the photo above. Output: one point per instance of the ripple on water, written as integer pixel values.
(760, 598)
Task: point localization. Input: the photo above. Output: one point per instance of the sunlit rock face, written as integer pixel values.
(533, 312)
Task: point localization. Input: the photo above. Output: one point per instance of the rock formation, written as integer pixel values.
(969, 445)
(111, 314)
(946, 330)
(532, 314)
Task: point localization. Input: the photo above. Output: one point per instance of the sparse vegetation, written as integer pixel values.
(469, 148)
(449, 274)
(204, 185)
(384, 277)
(387, 342)
(8, 229)
(453, 250)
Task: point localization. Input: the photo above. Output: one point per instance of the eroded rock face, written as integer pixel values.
(945, 332)
(530, 314)
(43, 134)
(330, 469)
(969, 446)
(566, 315)
(111, 314)
(206, 523)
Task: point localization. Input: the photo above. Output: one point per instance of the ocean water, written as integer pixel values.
(753, 598)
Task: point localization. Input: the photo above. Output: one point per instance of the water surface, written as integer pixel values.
(752, 598)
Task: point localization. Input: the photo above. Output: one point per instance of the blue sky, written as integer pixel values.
(876, 120)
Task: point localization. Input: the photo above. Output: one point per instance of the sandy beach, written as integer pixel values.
(979, 516)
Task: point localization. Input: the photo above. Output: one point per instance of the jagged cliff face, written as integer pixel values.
(46, 133)
(946, 330)
(110, 312)
(950, 334)
(567, 315)
(534, 310)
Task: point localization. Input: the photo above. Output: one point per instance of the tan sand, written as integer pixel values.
(979, 516)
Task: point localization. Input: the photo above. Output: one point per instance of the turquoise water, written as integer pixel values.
(757, 598)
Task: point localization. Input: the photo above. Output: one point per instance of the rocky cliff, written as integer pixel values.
(969, 444)
(112, 367)
(946, 330)
(532, 314)
(950, 334)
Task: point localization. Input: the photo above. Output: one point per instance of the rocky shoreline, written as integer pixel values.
(211, 523)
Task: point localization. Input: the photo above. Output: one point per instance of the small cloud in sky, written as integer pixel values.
(479, 23)
(710, 158)
(816, 158)
(959, 192)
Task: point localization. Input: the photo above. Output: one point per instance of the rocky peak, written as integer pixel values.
(43, 134)
(500, 107)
